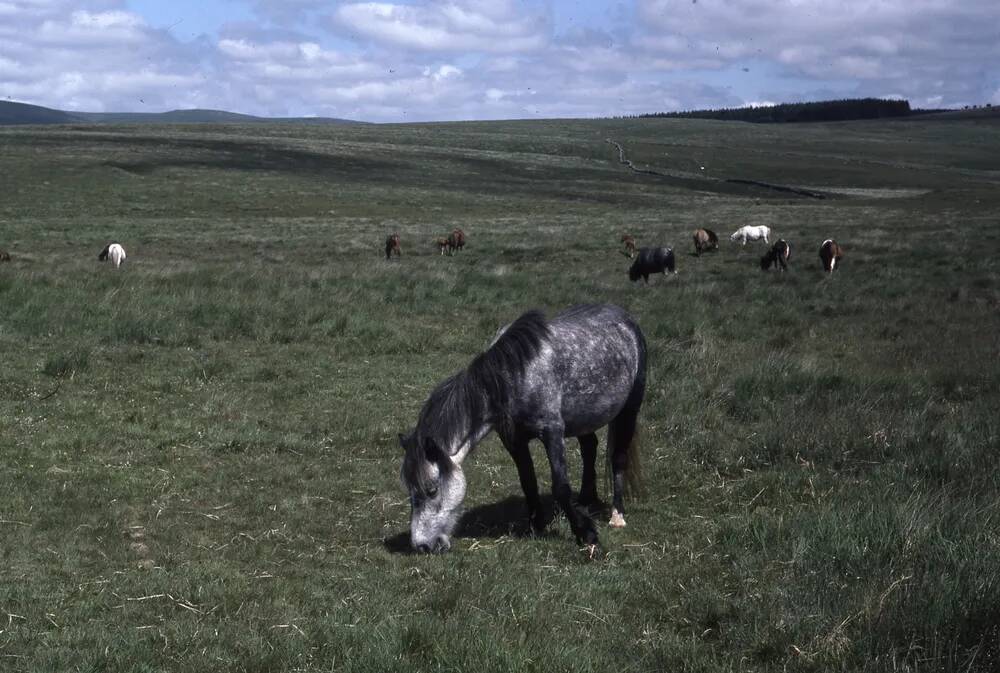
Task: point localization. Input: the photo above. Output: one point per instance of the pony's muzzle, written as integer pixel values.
(439, 545)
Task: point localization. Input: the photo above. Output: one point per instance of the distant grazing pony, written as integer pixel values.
(705, 239)
(777, 256)
(442, 244)
(830, 253)
(651, 260)
(392, 246)
(114, 252)
(629, 243)
(456, 240)
(4, 255)
(749, 233)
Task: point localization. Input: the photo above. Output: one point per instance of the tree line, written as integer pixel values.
(819, 111)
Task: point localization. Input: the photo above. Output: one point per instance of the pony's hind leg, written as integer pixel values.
(622, 454)
(588, 454)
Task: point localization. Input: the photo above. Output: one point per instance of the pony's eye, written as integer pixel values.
(432, 491)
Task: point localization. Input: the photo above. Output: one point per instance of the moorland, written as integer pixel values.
(199, 461)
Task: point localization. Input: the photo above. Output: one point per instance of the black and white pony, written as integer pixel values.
(777, 256)
(114, 252)
(540, 379)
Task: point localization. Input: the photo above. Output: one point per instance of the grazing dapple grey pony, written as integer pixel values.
(705, 239)
(777, 256)
(392, 246)
(749, 233)
(830, 253)
(114, 252)
(651, 260)
(540, 379)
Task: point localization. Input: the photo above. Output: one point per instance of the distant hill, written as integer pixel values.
(22, 113)
(983, 113)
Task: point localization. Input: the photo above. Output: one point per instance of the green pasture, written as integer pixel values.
(199, 466)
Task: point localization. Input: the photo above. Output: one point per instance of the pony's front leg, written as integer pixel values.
(581, 524)
(521, 453)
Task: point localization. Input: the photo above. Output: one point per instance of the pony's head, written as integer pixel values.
(436, 485)
(736, 235)
(104, 253)
(670, 262)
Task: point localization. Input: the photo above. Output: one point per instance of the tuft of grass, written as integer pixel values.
(67, 364)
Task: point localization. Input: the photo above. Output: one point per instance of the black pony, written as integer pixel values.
(651, 260)
(540, 379)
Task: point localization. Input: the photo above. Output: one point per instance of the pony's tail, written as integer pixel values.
(624, 442)
(635, 482)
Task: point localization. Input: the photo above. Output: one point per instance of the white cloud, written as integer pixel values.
(450, 59)
(919, 47)
(100, 57)
(455, 25)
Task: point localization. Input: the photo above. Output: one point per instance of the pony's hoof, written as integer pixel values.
(617, 520)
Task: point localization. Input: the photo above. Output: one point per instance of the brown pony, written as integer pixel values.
(392, 246)
(4, 255)
(629, 244)
(442, 244)
(456, 240)
(830, 253)
(705, 239)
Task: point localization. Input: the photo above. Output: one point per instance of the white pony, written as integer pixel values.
(748, 233)
(114, 252)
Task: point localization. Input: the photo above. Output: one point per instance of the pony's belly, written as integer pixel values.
(585, 416)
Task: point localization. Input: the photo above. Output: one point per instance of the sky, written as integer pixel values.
(442, 60)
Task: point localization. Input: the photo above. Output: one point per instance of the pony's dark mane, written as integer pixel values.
(482, 392)
(484, 388)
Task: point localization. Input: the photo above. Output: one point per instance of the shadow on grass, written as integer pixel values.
(507, 517)
(399, 543)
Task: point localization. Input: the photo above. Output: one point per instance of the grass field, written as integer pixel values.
(198, 454)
